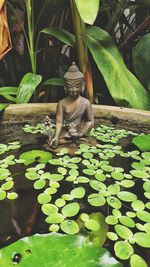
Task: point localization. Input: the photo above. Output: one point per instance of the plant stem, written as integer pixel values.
(30, 21)
(82, 51)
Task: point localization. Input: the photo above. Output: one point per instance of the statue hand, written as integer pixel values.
(54, 142)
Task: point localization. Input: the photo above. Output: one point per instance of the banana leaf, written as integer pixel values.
(141, 60)
(88, 10)
(6, 92)
(123, 86)
(3, 106)
(27, 87)
(54, 81)
(61, 34)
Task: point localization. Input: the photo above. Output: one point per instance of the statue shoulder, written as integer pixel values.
(86, 101)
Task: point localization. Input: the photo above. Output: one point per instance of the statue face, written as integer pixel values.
(74, 87)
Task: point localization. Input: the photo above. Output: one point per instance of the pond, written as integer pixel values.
(99, 189)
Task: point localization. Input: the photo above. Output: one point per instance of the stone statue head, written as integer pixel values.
(73, 77)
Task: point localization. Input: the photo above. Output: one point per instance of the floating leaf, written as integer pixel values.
(56, 177)
(39, 184)
(35, 155)
(8, 185)
(55, 218)
(142, 142)
(60, 202)
(84, 217)
(69, 227)
(123, 231)
(127, 183)
(113, 189)
(137, 261)
(139, 174)
(123, 250)
(114, 202)
(143, 216)
(54, 228)
(31, 175)
(82, 179)
(67, 197)
(66, 250)
(71, 209)
(117, 175)
(88, 171)
(96, 200)
(12, 195)
(138, 205)
(49, 209)
(107, 168)
(44, 198)
(100, 177)
(97, 185)
(78, 192)
(127, 221)
(127, 196)
(112, 236)
(112, 220)
(92, 225)
(2, 194)
(142, 239)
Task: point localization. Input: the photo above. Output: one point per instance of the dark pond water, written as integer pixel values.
(107, 161)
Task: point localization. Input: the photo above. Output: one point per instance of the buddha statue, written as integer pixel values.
(74, 112)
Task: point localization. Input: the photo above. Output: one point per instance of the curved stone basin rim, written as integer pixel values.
(121, 117)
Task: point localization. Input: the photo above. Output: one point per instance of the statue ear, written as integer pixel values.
(83, 87)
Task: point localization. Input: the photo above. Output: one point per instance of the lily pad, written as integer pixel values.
(137, 261)
(139, 174)
(96, 200)
(35, 155)
(142, 142)
(142, 239)
(78, 192)
(123, 250)
(69, 227)
(71, 209)
(127, 196)
(123, 231)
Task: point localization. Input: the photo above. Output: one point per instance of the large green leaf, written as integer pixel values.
(142, 142)
(61, 34)
(27, 87)
(141, 56)
(54, 81)
(7, 92)
(88, 10)
(56, 250)
(3, 106)
(125, 89)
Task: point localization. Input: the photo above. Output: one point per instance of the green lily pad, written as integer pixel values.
(138, 205)
(97, 185)
(139, 174)
(142, 142)
(44, 198)
(127, 183)
(56, 177)
(39, 184)
(62, 170)
(112, 236)
(146, 186)
(143, 216)
(123, 231)
(92, 225)
(113, 189)
(123, 250)
(55, 218)
(8, 185)
(49, 209)
(96, 200)
(35, 155)
(114, 202)
(60, 202)
(142, 239)
(4, 173)
(73, 173)
(71, 209)
(2, 194)
(127, 196)
(83, 179)
(31, 175)
(88, 171)
(12, 195)
(127, 221)
(117, 175)
(137, 261)
(54, 228)
(112, 220)
(78, 192)
(107, 168)
(100, 177)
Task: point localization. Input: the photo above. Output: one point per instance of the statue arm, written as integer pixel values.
(59, 124)
(89, 121)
